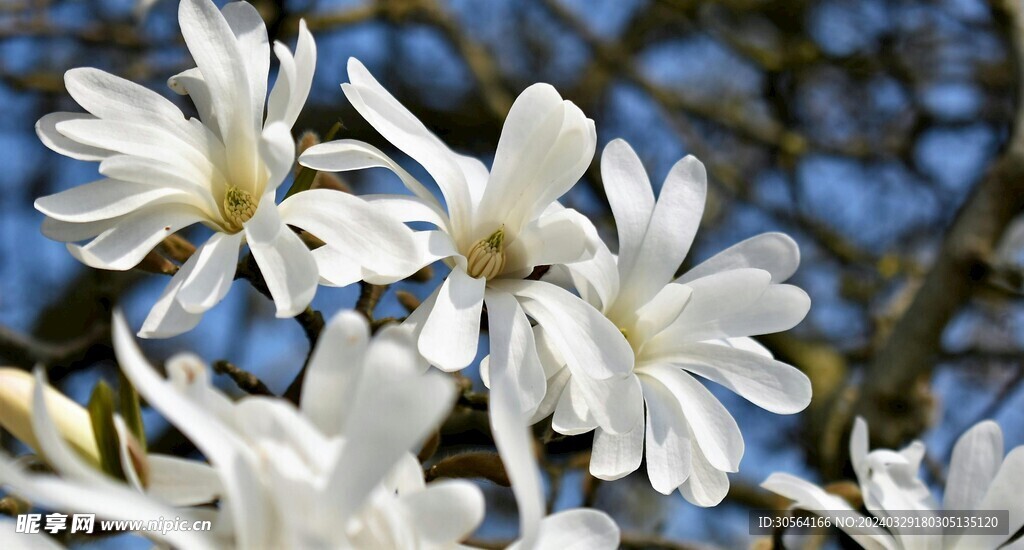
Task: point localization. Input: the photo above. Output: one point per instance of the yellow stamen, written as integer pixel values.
(239, 207)
(487, 257)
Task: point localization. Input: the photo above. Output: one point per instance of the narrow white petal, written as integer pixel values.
(46, 129)
(976, 458)
(295, 79)
(287, 265)
(630, 195)
(596, 279)
(123, 246)
(251, 34)
(345, 155)
(356, 229)
(671, 230)
(334, 371)
(775, 253)
(765, 382)
(451, 333)
(147, 171)
(1005, 491)
(167, 317)
(59, 454)
(513, 349)
(661, 311)
(572, 414)
(182, 482)
(105, 199)
(667, 439)
(277, 149)
(445, 512)
(587, 340)
(713, 428)
(409, 209)
(576, 529)
(113, 98)
(558, 238)
(615, 456)
(214, 271)
(69, 232)
(707, 485)
(556, 385)
(807, 496)
(190, 82)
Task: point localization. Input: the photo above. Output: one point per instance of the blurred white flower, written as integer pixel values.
(697, 324)
(494, 229)
(979, 479)
(164, 172)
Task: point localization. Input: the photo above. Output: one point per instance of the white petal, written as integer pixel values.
(345, 155)
(295, 79)
(556, 385)
(630, 195)
(667, 439)
(515, 445)
(408, 134)
(190, 82)
(513, 350)
(596, 279)
(113, 98)
(615, 456)
(976, 458)
(859, 446)
(445, 512)
(714, 429)
(182, 482)
(217, 54)
(669, 233)
(334, 371)
(546, 144)
(576, 529)
(409, 209)
(46, 129)
(147, 171)
(393, 353)
(780, 308)
(123, 246)
(287, 265)
(355, 228)
(775, 253)
(661, 311)
(69, 232)
(765, 382)
(558, 238)
(214, 271)
(251, 34)
(707, 485)
(572, 415)
(277, 148)
(388, 418)
(1005, 491)
(59, 454)
(451, 333)
(616, 403)
(168, 317)
(587, 340)
(809, 497)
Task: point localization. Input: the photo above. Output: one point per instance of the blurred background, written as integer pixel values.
(879, 134)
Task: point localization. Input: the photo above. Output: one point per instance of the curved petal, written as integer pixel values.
(976, 458)
(572, 414)
(713, 428)
(287, 265)
(671, 230)
(767, 383)
(111, 97)
(615, 456)
(656, 315)
(630, 196)
(355, 228)
(707, 485)
(1005, 490)
(558, 238)
(513, 349)
(46, 129)
(124, 245)
(251, 35)
(58, 452)
(145, 171)
(444, 512)
(182, 482)
(587, 340)
(214, 271)
(277, 149)
(616, 403)
(775, 253)
(168, 317)
(576, 529)
(596, 279)
(667, 440)
(334, 372)
(451, 333)
(295, 79)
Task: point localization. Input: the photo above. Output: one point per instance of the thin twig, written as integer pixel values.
(245, 380)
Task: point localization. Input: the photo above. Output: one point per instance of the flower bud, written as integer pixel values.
(487, 257)
(70, 418)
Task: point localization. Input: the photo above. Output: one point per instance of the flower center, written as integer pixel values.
(487, 257)
(239, 207)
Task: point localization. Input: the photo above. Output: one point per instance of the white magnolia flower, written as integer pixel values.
(494, 229)
(697, 324)
(979, 479)
(163, 172)
(334, 473)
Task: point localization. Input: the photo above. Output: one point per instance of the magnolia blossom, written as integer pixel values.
(163, 172)
(697, 325)
(334, 473)
(979, 478)
(495, 227)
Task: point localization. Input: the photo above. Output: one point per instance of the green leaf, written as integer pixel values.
(101, 413)
(131, 410)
